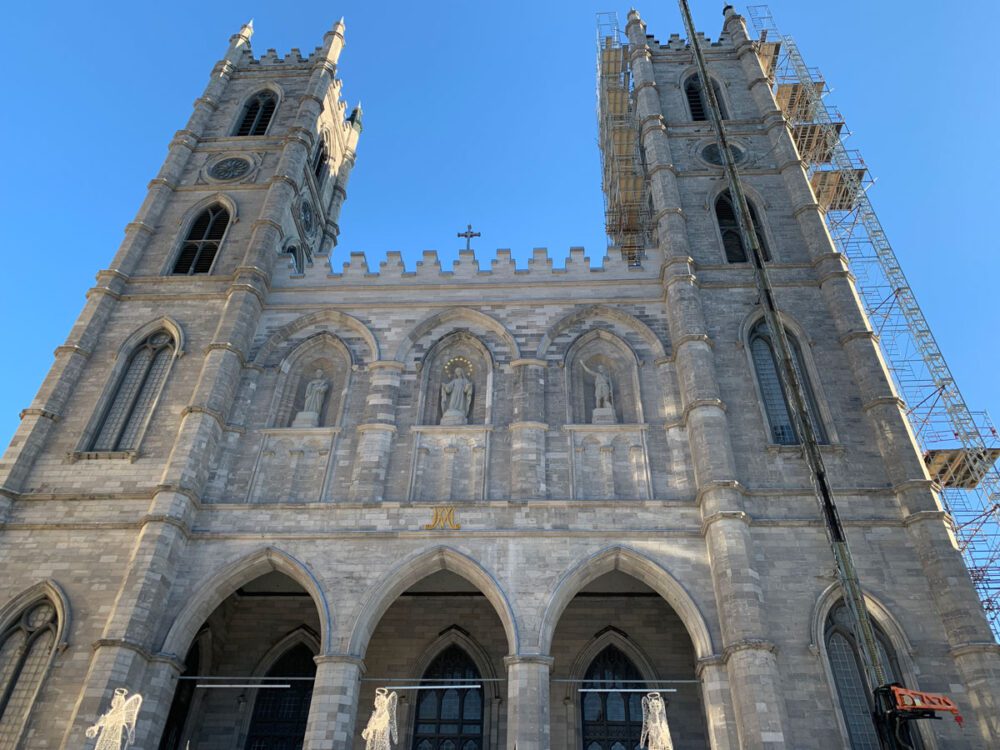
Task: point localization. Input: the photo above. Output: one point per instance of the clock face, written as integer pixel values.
(306, 214)
(229, 169)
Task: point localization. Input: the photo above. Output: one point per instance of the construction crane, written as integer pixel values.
(894, 705)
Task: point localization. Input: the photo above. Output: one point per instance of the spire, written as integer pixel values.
(240, 42)
(355, 118)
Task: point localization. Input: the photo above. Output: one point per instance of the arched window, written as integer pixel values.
(697, 102)
(280, 714)
(139, 386)
(298, 261)
(319, 163)
(772, 391)
(612, 720)
(26, 647)
(257, 114)
(202, 243)
(450, 719)
(732, 241)
(845, 665)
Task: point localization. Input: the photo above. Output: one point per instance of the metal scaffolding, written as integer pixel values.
(627, 214)
(960, 447)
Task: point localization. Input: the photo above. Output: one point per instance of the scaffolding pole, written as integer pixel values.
(960, 447)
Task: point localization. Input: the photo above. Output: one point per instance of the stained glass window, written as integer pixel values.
(280, 714)
(612, 720)
(451, 718)
(25, 650)
(135, 394)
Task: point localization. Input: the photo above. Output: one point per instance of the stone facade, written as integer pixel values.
(658, 518)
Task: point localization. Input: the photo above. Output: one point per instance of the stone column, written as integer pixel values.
(749, 657)
(334, 708)
(528, 701)
(527, 431)
(375, 434)
(716, 698)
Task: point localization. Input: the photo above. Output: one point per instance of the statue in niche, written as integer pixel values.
(604, 408)
(315, 393)
(456, 398)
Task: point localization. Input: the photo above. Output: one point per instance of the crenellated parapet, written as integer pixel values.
(576, 266)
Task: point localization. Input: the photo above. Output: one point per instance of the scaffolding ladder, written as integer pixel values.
(960, 447)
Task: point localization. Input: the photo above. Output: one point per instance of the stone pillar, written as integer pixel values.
(334, 708)
(376, 432)
(750, 661)
(528, 701)
(716, 699)
(527, 431)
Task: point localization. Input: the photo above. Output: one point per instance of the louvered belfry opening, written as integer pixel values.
(732, 242)
(203, 240)
(693, 92)
(257, 115)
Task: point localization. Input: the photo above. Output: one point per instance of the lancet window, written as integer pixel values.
(257, 114)
(280, 715)
(845, 666)
(612, 720)
(319, 163)
(26, 647)
(202, 242)
(697, 102)
(452, 718)
(772, 390)
(135, 394)
(732, 241)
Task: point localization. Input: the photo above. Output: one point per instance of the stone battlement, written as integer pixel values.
(577, 265)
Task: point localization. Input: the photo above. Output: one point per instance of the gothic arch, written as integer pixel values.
(640, 567)
(240, 108)
(50, 592)
(890, 628)
(454, 636)
(211, 592)
(290, 374)
(691, 71)
(618, 639)
(431, 375)
(334, 318)
(188, 219)
(798, 333)
(450, 316)
(167, 323)
(628, 396)
(46, 589)
(605, 312)
(415, 568)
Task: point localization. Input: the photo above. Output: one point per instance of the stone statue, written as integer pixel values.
(315, 393)
(381, 727)
(604, 408)
(655, 731)
(118, 720)
(456, 399)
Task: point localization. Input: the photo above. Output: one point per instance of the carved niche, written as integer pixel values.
(294, 464)
(605, 421)
(451, 449)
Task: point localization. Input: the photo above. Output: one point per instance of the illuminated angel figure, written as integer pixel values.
(382, 724)
(119, 720)
(655, 732)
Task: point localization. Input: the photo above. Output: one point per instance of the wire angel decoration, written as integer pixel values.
(118, 719)
(382, 724)
(655, 731)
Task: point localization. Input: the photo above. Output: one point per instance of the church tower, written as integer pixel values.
(493, 506)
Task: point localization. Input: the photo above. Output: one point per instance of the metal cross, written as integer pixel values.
(469, 234)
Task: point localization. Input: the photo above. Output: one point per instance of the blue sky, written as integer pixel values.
(481, 112)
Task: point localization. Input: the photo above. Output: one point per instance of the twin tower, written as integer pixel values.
(520, 497)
